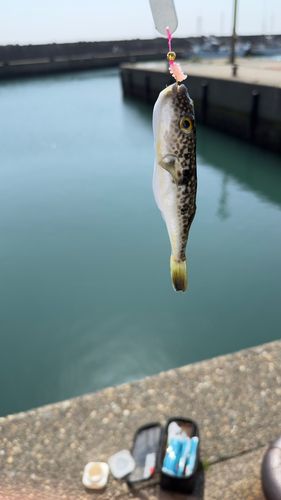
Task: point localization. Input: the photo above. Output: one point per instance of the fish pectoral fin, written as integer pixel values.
(168, 162)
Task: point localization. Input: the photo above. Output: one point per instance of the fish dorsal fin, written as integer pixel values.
(168, 162)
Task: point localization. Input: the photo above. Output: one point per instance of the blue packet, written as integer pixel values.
(183, 455)
(172, 455)
(192, 456)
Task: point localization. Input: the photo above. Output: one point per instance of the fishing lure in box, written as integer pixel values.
(175, 178)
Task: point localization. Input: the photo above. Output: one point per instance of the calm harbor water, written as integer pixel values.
(85, 291)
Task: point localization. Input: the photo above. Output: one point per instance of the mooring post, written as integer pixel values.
(253, 118)
(204, 101)
(234, 69)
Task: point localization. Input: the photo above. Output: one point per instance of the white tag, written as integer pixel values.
(150, 461)
(164, 14)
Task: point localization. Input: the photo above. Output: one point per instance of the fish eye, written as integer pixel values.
(186, 124)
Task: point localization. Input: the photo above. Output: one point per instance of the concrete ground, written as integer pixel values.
(235, 399)
(250, 70)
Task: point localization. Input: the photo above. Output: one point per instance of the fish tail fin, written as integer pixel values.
(179, 274)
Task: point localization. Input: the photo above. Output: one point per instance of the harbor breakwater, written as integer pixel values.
(235, 399)
(24, 60)
(16, 60)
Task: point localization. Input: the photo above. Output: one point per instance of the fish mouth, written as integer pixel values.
(178, 89)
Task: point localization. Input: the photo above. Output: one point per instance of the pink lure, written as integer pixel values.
(177, 72)
(175, 68)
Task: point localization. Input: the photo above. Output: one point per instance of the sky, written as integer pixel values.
(40, 21)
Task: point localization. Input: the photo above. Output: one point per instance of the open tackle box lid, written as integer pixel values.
(149, 449)
(144, 451)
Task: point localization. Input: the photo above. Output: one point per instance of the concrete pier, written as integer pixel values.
(247, 105)
(235, 399)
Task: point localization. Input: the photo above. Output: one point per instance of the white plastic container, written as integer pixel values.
(95, 475)
(121, 464)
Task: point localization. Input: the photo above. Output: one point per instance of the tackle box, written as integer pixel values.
(149, 450)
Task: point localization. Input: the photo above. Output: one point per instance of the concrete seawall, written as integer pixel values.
(235, 399)
(24, 60)
(243, 106)
(17, 61)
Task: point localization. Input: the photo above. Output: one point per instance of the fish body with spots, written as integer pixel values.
(175, 178)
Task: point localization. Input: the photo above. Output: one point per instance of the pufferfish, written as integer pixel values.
(175, 178)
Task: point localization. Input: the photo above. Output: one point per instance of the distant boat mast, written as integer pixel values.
(234, 36)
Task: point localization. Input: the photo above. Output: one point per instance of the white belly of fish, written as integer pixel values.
(165, 194)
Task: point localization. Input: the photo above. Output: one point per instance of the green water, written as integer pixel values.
(85, 291)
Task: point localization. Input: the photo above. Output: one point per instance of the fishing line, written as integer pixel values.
(175, 68)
